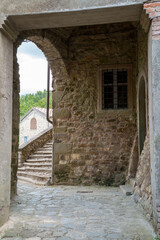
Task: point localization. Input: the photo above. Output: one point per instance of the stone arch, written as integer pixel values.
(33, 124)
(55, 51)
(51, 45)
(142, 111)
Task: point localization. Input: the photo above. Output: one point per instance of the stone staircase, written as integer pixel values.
(38, 167)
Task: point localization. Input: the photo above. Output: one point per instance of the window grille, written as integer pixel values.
(114, 89)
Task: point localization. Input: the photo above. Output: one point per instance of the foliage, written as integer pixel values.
(156, 238)
(39, 99)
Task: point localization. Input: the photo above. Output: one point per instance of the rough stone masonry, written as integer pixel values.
(90, 145)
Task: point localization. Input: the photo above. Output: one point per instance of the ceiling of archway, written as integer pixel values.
(77, 18)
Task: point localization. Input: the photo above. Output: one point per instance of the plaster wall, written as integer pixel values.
(6, 75)
(51, 14)
(30, 6)
(25, 129)
(154, 114)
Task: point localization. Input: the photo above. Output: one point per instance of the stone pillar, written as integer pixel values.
(154, 120)
(6, 76)
(152, 8)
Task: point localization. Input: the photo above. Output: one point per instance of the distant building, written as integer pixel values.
(32, 123)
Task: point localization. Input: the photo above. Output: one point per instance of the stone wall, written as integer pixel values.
(15, 124)
(93, 146)
(142, 192)
(90, 145)
(33, 144)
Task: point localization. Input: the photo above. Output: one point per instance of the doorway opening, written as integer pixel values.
(142, 113)
(35, 131)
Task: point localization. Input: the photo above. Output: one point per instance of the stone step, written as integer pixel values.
(43, 152)
(126, 189)
(38, 167)
(35, 169)
(30, 180)
(45, 149)
(41, 156)
(34, 176)
(27, 164)
(48, 144)
(42, 160)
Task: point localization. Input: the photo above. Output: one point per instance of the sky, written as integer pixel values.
(32, 68)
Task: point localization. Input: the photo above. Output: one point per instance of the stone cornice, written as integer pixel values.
(145, 21)
(7, 28)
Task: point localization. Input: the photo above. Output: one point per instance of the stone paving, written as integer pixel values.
(74, 213)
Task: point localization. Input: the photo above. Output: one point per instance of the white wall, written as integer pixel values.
(25, 130)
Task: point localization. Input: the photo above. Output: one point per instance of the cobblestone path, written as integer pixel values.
(73, 213)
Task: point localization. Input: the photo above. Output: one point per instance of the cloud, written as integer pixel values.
(32, 68)
(33, 73)
(30, 48)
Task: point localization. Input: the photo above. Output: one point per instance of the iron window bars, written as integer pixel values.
(115, 89)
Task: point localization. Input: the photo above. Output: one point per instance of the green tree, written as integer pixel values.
(39, 99)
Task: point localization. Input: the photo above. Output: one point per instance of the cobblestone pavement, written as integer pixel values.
(73, 213)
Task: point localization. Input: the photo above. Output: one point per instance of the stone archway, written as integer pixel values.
(142, 125)
(54, 51)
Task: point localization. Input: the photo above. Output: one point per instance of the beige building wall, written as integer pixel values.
(25, 126)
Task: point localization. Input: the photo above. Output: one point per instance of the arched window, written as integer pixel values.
(33, 123)
(142, 113)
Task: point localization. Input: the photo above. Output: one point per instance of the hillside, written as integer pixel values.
(39, 99)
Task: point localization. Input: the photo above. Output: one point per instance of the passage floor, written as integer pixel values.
(73, 213)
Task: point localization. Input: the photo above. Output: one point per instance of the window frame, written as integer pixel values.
(25, 139)
(103, 68)
(31, 124)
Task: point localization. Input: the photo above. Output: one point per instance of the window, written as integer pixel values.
(25, 138)
(33, 123)
(114, 89)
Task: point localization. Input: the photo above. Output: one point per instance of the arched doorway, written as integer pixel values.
(142, 113)
(51, 47)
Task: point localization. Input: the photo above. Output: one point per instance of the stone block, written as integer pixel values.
(62, 172)
(58, 95)
(56, 158)
(61, 169)
(60, 129)
(62, 113)
(75, 156)
(75, 162)
(126, 189)
(61, 148)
